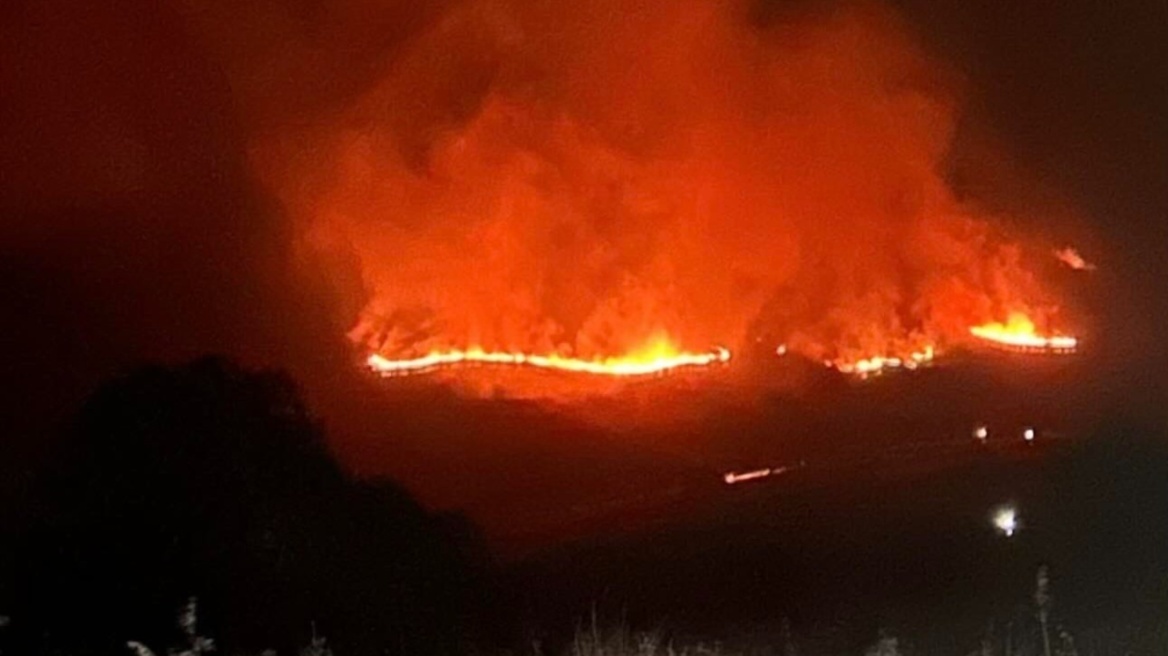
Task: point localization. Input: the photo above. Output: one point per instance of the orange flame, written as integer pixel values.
(658, 357)
(1020, 332)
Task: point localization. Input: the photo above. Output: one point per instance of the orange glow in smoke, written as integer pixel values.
(659, 357)
(1019, 332)
(1071, 257)
(545, 185)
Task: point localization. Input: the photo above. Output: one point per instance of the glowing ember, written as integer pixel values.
(1072, 259)
(659, 358)
(877, 364)
(1006, 520)
(1019, 332)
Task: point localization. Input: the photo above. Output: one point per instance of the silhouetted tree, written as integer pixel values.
(207, 480)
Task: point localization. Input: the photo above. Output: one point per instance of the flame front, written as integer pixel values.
(1020, 332)
(659, 357)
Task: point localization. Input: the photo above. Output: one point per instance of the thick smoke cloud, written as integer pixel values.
(585, 178)
(256, 178)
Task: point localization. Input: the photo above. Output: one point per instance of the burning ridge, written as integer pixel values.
(557, 185)
(642, 364)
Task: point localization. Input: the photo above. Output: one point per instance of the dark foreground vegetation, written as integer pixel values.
(210, 482)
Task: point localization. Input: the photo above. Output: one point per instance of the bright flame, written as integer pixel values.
(1019, 332)
(1006, 520)
(659, 357)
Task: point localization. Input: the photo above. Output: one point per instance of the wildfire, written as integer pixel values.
(542, 185)
(656, 359)
(1019, 332)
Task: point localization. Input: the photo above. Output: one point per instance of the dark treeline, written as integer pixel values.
(209, 481)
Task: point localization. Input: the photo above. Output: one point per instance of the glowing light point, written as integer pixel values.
(1006, 521)
(734, 477)
(981, 433)
(781, 350)
(1028, 434)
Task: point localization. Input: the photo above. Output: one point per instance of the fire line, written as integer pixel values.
(615, 366)
(1019, 333)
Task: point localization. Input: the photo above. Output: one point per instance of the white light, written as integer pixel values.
(734, 477)
(1006, 520)
(781, 350)
(981, 433)
(1028, 434)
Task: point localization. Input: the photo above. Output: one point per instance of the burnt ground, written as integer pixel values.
(844, 550)
(882, 522)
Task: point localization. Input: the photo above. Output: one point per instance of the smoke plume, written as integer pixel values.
(584, 178)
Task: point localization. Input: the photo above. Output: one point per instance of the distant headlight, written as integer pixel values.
(1005, 520)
